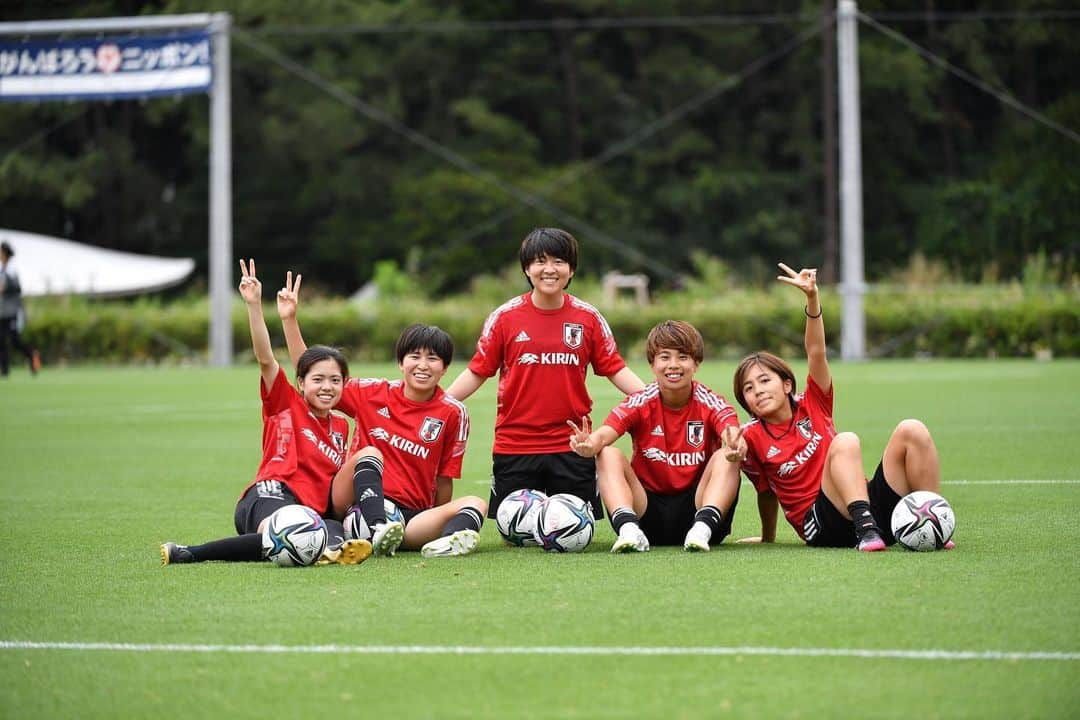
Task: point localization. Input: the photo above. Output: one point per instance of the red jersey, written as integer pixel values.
(789, 458)
(672, 447)
(542, 357)
(301, 450)
(419, 441)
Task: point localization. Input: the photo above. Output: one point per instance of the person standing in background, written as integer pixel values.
(12, 314)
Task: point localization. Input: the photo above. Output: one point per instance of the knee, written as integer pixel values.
(912, 433)
(367, 451)
(476, 503)
(846, 443)
(610, 458)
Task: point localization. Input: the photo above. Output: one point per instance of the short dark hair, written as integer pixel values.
(425, 337)
(677, 335)
(318, 353)
(770, 362)
(552, 242)
(6, 248)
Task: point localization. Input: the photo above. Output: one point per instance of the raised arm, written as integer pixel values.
(465, 385)
(588, 443)
(627, 381)
(288, 299)
(251, 291)
(814, 339)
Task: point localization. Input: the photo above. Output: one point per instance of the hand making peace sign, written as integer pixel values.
(250, 287)
(288, 297)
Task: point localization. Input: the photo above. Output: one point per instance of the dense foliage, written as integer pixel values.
(648, 138)
(992, 321)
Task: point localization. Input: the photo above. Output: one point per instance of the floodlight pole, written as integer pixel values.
(220, 259)
(853, 285)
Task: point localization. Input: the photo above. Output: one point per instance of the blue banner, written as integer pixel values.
(118, 67)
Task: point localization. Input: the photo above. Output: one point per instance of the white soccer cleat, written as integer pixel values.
(386, 538)
(631, 539)
(697, 539)
(462, 542)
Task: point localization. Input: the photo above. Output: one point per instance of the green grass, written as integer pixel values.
(101, 465)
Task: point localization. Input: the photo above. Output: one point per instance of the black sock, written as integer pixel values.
(863, 518)
(335, 534)
(621, 516)
(242, 548)
(711, 516)
(368, 490)
(467, 518)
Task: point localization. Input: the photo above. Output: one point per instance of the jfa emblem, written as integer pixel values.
(571, 335)
(339, 440)
(804, 428)
(695, 432)
(430, 429)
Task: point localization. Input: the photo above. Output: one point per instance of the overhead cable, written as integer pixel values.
(646, 131)
(967, 77)
(381, 117)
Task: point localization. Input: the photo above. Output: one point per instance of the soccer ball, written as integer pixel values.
(565, 524)
(356, 528)
(923, 520)
(294, 535)
(517, 515)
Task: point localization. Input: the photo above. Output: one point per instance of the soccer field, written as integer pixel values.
(100, 465)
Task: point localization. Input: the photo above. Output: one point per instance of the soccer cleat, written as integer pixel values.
(697, 538)
(173, 554)
(462, 542)
(350, 552)
(631, 539)
(871, 542)
(386, 537)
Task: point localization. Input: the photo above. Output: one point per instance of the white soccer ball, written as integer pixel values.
(923, 520)
(294, 535)
(565, 524)
(517, 515)
(356, 528)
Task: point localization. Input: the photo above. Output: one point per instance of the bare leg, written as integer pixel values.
(619, 486)
(843, 480)
(911, 459)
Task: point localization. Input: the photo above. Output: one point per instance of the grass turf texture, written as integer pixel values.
(101, 465)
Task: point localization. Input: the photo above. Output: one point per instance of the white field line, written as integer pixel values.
(995, 655)
(1055, 481)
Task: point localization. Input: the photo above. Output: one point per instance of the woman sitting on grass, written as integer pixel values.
(796, 457)
(409, 442)
(303, 447)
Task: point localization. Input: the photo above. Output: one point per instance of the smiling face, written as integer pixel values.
(422, 370)
(765, 394)
(549, 277)
(321, 386)
(674, 370)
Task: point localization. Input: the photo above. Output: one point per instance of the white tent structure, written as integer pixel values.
(52, 266)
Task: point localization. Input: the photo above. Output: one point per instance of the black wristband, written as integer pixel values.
(806, 309)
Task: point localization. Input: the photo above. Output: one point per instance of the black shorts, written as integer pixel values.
(407, 513)
(667, 518)
(825, 526)
(259, 502)
(552, 473)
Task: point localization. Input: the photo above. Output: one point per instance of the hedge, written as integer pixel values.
(967, 322)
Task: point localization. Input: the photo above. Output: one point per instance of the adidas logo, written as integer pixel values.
(384, 411)
(658, 431)
(522, 337)
(773, 452)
